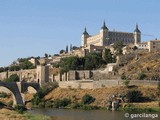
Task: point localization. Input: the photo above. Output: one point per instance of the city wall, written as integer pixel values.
(90, 84)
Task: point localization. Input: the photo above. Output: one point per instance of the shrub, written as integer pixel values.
(10, 103)
(38, 97)
(123, 77)
(49, 104)
(3, 95)
(87, 99)
(1, 104)
(141, 76)
(20, 108)
(12, 78)
(134, 96)
(61, 103)
(126, 83)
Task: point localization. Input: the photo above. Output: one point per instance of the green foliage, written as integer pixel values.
(1, 69)
(123, 76)
(2, 104)
(49, 104)
(126, 83)
(20, 108)
(93, 61)
(38, 98)
(87, 99)
(10, 103)
(3, 95)
(61, 103)
(46, 55)
(118, 45)
(141, 76)
(12, 78)
(108, 57)
(61, 51)
(14, 68)
(89, 62)
(134, 96)
(83, 106)
(26, 65)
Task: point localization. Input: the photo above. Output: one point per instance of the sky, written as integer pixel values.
(35, 27)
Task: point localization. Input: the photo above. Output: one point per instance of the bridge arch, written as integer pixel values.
(8, 91)
(13, 89)
(26, 85)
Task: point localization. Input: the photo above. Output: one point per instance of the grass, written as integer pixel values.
(30, 116)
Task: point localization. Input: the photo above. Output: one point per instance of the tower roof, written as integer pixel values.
(85, 31)
(137, 30)
(104, 26)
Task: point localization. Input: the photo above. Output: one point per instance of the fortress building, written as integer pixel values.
(106, 37)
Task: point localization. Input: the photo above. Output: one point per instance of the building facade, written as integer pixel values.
(106, 37)
(154, 45)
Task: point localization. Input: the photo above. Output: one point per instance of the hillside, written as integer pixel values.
(101, 94)
(146, 63)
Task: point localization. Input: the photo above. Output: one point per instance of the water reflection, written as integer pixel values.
(70, 114)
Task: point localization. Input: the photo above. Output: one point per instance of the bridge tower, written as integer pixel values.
(42, 74)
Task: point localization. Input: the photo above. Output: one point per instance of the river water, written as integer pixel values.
(72, 114)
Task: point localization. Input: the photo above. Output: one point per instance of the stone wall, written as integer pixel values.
(3, 75)
(90, 84)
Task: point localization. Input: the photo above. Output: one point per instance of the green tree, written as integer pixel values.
(87, 99)
(46, 55)
(107, 56)
(123, 76)
(93, 61)
(141, 76)
(118, 45)
(14, 68)
(1, 69)
(126, 83)
(12, 78)
(67, 49)
(26, 65)
(61, 51)
(134, 96)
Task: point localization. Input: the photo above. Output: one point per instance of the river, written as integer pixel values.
(72, 114)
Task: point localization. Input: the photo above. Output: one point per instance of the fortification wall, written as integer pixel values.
(90, 84)
(3, 75)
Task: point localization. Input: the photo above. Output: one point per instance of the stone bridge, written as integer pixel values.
(17, 89)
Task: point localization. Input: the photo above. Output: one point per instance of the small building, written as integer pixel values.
(154, 45)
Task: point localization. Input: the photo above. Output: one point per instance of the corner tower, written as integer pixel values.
(104, 35)
(85, 35)
(137, 35)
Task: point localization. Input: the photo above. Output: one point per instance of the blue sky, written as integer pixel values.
(34, 27)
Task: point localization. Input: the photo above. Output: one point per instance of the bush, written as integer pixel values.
(49, 104)
(61, 103)
(123, 77)
(2, 104)
(38, 97)
(3, 95)
(20, 108)
(134, 96)
(141, 76)
(126, 83)
(87, 99)
(10, 103)
(13, 78)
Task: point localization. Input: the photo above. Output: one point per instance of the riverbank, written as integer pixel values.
(101, 95)
(6, 114)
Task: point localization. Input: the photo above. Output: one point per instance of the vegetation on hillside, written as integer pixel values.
(12, 78)
(89, 62)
